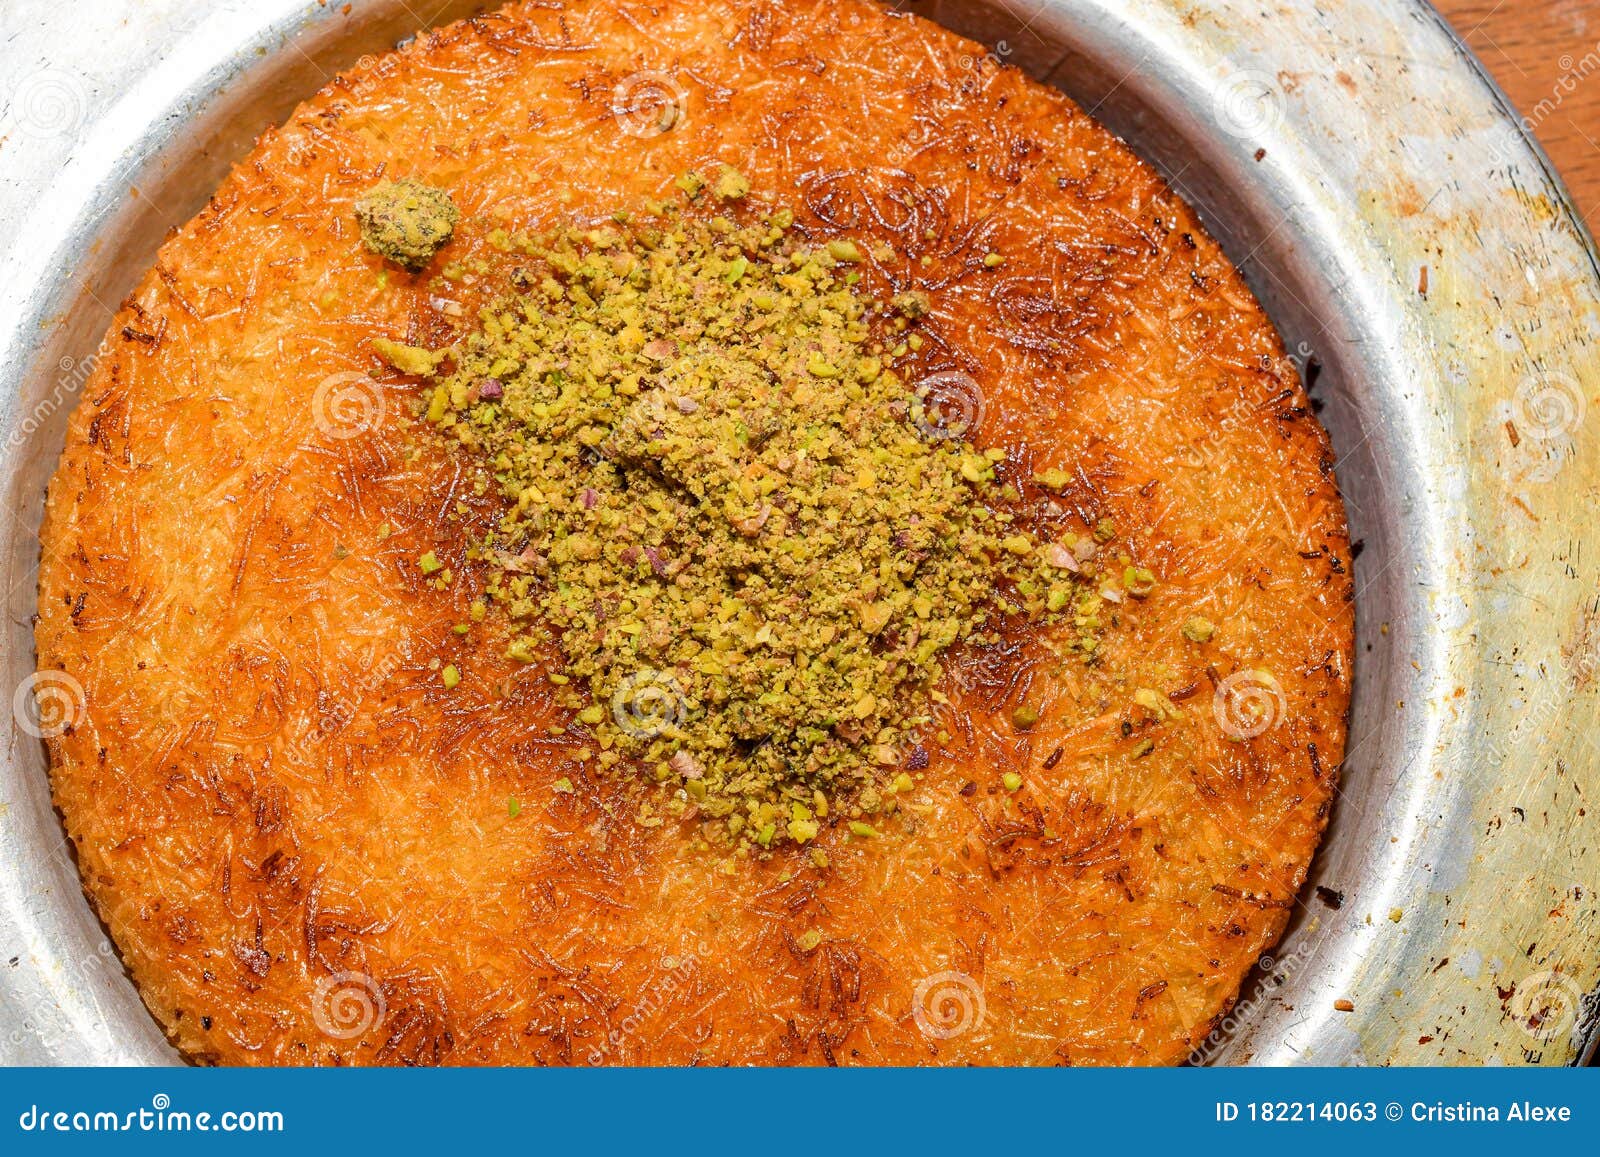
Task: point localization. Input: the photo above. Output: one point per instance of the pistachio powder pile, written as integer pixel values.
(749, 537)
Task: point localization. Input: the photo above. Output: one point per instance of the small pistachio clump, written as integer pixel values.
(406, 221)
(748, 537)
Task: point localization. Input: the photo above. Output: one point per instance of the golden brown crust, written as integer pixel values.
(273, 795)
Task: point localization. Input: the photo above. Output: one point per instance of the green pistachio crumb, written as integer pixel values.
(1024, 717)
(406, 221)
(1198, 630)
(732, 185)
(913, 303)
(1012, 781)
(429, 563)
(1139, 581)
(450, 677)
(408, 359)
(1155, 703)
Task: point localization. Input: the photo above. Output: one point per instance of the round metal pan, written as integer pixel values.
(1425, 268)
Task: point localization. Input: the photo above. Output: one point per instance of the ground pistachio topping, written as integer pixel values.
(751, 539)
(406, 221)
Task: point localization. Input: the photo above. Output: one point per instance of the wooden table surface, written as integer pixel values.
(1545, 54)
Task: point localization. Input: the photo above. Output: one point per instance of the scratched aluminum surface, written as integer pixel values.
(1424, 267)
